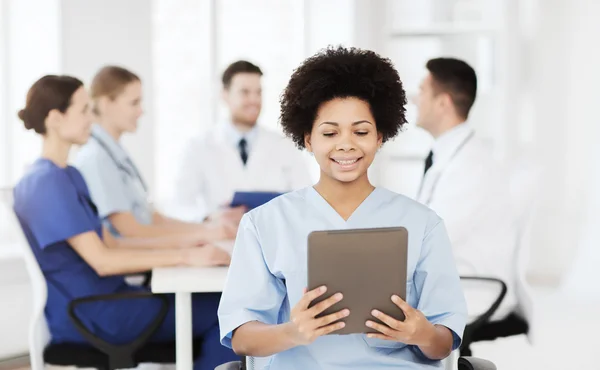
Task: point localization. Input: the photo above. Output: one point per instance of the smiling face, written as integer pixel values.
(124, 111)
(344, 139)
(244, 98)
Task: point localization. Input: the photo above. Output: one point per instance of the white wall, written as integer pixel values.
(582, 153)
(184, 82)
(15, 309)
(328, 23)
(27, 54)
(557, 129)
(96, 33)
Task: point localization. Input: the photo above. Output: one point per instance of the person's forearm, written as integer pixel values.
(261, 340)
(164, 221)
(177, 226)
(440, 345)
(120, 261)
(157, 230)
(165, 242)
(172, 235)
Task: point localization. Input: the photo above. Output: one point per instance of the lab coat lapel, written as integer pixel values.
(229, 156)
(427, 183)
(259, 153)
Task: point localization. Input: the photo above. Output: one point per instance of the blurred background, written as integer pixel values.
(538, 70)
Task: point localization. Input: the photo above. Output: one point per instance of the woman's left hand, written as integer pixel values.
(414, 330)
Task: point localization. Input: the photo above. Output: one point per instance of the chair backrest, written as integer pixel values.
(524, 182)
(39, 335)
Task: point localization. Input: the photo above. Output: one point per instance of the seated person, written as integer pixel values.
(341, 105)
(77, 257)
(116, 185)
(237, 154)
(465, 185)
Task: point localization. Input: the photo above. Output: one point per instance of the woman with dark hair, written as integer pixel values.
(76, 255)
(341, 105)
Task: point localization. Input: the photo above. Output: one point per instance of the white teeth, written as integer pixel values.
(346, 163)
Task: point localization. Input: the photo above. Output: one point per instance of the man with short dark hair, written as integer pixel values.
(463, 182)
(237, 155)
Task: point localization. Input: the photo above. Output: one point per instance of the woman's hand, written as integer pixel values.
(206, 256)
(304, 328)
(232, 215)
(414, 330)
(221, 230)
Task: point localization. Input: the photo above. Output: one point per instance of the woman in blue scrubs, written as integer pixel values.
(77, 257)
(341, 105)
(116, 185)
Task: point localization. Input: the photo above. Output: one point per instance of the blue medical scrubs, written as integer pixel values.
(53, 204)
(268, 273)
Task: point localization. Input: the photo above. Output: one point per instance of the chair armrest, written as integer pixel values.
(235, 365)
(120, 356)
(146, 278)
(464, 363)
(474, 363)
(486, 316)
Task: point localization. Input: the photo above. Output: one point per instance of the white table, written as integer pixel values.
(183, 281)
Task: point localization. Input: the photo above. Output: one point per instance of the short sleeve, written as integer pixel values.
(438, 288)
(251, 292)
(105, 181)
(52, 210)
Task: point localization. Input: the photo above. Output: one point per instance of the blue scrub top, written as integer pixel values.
(269, 271)
(114, 182)
(53, 204)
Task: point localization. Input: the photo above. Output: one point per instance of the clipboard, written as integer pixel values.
(252, 199)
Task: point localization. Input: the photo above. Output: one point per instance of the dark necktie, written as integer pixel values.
(428, 162)
(243, 144)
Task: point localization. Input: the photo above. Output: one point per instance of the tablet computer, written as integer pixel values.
(252, 199)
(367, 266)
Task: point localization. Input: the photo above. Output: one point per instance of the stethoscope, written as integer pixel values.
(130, 171)
(439, 175)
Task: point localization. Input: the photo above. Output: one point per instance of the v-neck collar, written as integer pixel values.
(100, 134)
(333, 215)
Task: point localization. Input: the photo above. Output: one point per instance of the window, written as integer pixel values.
(269, 33)
(29, 49)
(183, 80)
(28, 30)
(194, 41)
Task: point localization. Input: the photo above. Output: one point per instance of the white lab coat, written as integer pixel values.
(470, 190)
(211, 171)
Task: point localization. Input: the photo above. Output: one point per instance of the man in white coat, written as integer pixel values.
(464, 184)
(237, 155)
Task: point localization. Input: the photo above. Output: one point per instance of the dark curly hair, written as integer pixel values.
(338, 72)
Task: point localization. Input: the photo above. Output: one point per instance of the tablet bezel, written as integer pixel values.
(373, 249)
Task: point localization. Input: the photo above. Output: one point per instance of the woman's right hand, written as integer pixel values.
(218, 230)
(207, 255)
(304, 328)
(232, 215)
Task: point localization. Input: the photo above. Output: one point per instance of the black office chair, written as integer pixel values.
(464, 363)
(103, 355)
(483, 329)
(97, 353)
